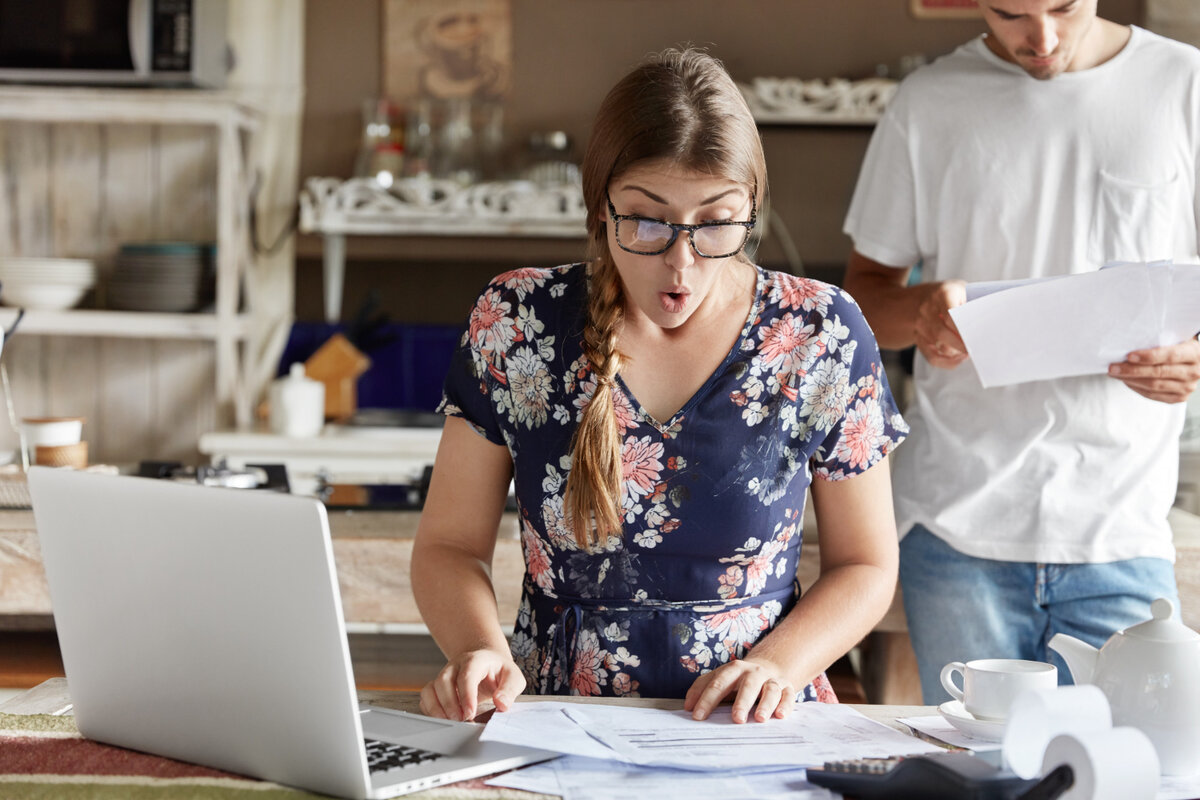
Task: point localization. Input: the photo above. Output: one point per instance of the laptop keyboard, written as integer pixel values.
(384, 756)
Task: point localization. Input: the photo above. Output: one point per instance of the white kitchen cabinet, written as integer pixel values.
(177, 119)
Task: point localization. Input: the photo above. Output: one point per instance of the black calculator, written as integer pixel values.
(956, 775)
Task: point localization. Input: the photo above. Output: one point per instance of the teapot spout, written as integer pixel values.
(1079, 655)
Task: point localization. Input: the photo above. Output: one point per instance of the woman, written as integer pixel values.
(661, 410)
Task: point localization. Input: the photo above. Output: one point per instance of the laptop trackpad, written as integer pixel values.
(413, 729)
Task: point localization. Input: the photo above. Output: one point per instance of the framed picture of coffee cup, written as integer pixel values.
(944, 9)
(447, 49)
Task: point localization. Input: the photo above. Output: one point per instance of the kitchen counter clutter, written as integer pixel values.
(340, 454)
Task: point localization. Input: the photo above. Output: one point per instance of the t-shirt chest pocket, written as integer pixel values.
(1133, 220)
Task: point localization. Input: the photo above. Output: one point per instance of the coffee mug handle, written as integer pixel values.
(948, 678)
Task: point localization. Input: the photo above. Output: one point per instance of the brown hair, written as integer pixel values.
(677, 106)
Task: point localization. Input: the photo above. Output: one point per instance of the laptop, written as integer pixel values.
(205, 624)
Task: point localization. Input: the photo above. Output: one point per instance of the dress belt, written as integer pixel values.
(570, 616)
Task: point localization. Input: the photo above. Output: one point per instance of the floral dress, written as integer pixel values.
(712, 498)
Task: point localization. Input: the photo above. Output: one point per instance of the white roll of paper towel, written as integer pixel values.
(1038, 715)
(1113, 764)
(1072, 725)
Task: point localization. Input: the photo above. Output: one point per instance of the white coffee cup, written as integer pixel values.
(52, 431)
(989, 685)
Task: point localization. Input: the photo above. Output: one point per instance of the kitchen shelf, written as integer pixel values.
(336, 208)
(818, 101)
(128, 324)
(103, 105)
(235, 123)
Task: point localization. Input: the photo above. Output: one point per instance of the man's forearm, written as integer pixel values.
(890, 308)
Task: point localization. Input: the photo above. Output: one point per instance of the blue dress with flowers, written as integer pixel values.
(712, 498)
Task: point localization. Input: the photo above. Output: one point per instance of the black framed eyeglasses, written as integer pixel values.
(650, 237)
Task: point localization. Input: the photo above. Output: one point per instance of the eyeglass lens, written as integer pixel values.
(648, 236)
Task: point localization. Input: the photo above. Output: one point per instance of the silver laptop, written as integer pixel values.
(205, 625)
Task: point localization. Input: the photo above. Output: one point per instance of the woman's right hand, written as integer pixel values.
(471, 678)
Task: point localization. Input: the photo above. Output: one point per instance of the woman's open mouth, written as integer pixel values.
(674, 301)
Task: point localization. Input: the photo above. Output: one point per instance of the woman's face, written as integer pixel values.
(667, 289)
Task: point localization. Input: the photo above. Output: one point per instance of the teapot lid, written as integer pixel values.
(1163, 628)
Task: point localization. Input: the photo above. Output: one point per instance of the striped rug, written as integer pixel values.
(45, 758)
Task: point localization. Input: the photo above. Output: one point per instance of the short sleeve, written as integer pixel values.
(471, 380)
(882, 216)
(848, 391)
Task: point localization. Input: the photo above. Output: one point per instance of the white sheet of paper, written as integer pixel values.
(1076, 324)
(544, 725)
(812, 734)
(576, 778)
(1171, 788)
(943, 731)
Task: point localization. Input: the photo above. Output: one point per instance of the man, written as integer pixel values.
(1053, 144)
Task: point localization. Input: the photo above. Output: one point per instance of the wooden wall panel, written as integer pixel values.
(186, 189)
(184, 403)
(29, 151)
(8, 221)
(76, 191)
(82, 191)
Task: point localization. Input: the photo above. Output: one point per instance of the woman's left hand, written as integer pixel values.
(752, 681)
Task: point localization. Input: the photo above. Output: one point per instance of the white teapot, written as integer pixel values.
(1150, 674)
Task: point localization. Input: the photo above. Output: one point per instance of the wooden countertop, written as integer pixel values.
(373, 550)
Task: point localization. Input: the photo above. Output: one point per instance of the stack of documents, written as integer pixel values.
(644, 752)
(1017, 331)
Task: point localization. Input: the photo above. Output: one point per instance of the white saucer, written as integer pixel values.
(959, 717)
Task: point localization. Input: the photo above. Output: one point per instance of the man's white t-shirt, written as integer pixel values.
(980, 172)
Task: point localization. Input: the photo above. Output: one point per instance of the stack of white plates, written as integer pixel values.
(162, 276)
(45, 284)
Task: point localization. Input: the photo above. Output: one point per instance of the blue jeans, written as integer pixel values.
(961, 608)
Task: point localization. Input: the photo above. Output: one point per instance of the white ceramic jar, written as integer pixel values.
(297, 404)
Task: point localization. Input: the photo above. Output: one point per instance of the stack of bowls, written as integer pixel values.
(45, 284)
(162, 276)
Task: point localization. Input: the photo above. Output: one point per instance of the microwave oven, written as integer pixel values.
(114, 42)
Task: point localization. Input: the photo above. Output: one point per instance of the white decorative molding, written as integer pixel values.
(426, 206)
(833, 101)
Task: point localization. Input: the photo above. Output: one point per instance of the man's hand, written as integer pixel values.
(936, 334)
(1167, 374)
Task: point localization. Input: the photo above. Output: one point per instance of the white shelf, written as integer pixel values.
(336, 208)
(235, 124)
(444, 225)
(103, 105)
(835, 101)
(127, 324)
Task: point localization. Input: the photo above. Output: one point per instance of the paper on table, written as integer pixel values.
(1018, 331)
(1173, 788)
(812, 734)
(548, 725)
(576, 778)
(943, 731)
